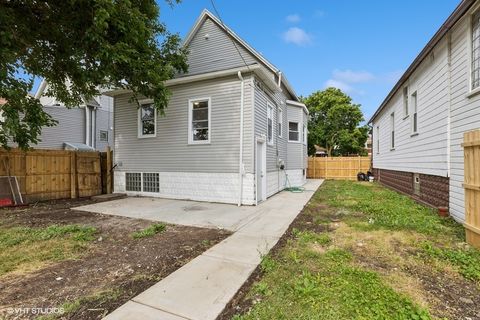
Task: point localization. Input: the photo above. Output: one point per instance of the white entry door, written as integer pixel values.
(261, 170)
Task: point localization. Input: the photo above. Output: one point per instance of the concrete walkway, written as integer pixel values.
(201, 289)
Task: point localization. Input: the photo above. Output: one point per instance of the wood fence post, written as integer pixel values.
(73, 175)
(109, 170)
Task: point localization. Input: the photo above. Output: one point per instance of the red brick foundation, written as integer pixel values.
(434, 190)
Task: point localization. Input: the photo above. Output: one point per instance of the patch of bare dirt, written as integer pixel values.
(115, 261)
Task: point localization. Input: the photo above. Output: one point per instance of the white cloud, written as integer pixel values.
(297, 36)
(293, 18)
(350, 76)
(345, 87)
(319, 14)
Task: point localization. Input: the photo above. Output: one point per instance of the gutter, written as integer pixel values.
(457, 14)
(241, 168)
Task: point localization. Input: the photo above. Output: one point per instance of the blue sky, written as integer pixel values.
(362, 47)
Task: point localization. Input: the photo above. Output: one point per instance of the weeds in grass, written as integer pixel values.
(23, 247)
(384, 208)
(268, 264)
(312, 237)
(149, 231)
(467, 260)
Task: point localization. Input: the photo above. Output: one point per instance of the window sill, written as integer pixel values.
(392, 149)
(198, 143)
(293, 141)
(473, 93)
(414, 134)
(146, 136)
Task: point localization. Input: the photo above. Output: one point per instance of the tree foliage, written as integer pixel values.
(79, 46)
(335, 123)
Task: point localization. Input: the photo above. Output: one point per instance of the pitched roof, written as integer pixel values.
(456, 15)
(208, 15)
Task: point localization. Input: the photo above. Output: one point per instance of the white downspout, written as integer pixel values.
(94, 127)
(87, 125)
(240, 161)
(449, 52)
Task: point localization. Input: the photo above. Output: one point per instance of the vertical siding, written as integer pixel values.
(169, 151)
(215, 53)
(70, 128)
(465, 114)
(426, 152)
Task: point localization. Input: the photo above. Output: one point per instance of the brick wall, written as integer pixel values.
(434, 190)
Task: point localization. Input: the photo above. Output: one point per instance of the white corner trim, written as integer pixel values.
(190, 118)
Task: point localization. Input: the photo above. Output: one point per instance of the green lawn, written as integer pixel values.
(361, 251)
(24, 249)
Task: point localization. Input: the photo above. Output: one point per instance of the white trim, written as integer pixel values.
(190, 109)
(140, 134)
(298, 131)
(280, 122)
(414, 112)
(304, 134)
(270, 140)
(262, 140)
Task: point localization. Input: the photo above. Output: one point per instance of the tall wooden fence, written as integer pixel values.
(471, 144)
(54, 174)
(337, 168)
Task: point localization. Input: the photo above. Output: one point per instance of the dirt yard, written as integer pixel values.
(87, 264)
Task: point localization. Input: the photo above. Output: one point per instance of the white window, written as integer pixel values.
(475, 67)
(280, 120)
(269, 123)
(414, 115)
(199, 121)
(378, 139)
(405, 100)
(392, 136)
(304, 137)
(147, 119)
(293, 133)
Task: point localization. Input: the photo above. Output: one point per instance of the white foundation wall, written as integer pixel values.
(296, 178)
(275, 182)
(211, 187)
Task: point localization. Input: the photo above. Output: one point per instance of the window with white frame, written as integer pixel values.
(293, 133)
(269, 123)
(304, 136)
(147, 120)
(405, 101)
(199, 121)
(103, 135)
(378, 139)
(414, 113)
(279, 121)
(392, 133)
(475, 67)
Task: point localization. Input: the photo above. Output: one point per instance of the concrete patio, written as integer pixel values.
(202, 288)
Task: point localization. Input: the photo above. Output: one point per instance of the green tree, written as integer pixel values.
(79, 46)
(335, 123)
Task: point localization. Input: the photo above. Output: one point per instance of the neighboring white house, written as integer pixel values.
(418, 129)
(234, 130)
(89, 124)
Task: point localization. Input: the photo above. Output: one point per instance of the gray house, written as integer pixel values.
(90, 124)
(234, 130)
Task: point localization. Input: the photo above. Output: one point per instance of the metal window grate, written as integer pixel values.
(133, 181)
(151, 182)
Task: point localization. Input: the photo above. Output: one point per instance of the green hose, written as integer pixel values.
(290, 188)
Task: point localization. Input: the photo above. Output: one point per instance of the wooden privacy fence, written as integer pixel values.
(471, 144)
(337, 168)
(55, 174)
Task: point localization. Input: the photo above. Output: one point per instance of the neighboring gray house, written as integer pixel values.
(90, 124)
(234, 129)
(418, 129)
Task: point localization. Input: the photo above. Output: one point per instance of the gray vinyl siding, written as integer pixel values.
(169, 151)
(104, 123)
(215, 53)
(295, 155)
(465, 115)
(70, 128)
